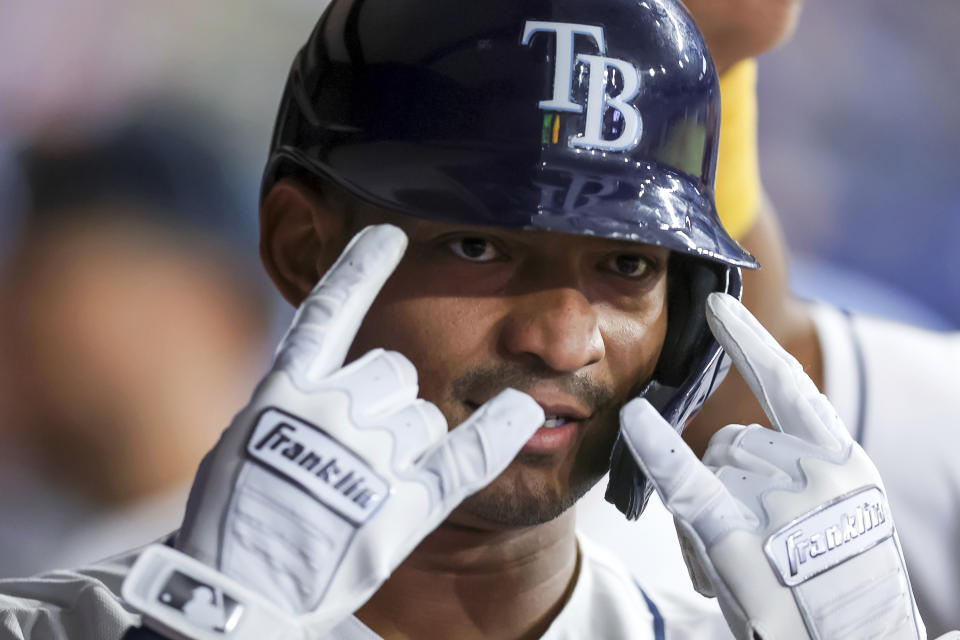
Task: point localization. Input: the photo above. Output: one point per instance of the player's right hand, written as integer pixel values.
(326, 480)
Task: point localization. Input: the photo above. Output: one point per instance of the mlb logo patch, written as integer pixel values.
(205, 606)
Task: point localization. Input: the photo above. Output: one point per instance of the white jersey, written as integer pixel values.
(650, 550)
(606, 602)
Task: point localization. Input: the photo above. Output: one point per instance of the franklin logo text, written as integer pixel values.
(829, 535)
(317, 463)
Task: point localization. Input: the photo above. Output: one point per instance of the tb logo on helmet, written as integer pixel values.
(598, 100)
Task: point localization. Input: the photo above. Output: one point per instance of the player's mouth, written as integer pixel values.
(558, 433)
(564, 418)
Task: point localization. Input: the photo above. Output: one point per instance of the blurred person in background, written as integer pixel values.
(132, 329)
(891, 383)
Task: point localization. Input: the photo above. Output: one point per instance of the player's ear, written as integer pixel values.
(301, 235)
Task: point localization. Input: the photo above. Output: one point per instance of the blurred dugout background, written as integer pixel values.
(858, 131)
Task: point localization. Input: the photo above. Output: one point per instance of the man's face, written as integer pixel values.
(577, 322)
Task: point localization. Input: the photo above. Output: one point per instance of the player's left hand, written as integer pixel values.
(789, 528)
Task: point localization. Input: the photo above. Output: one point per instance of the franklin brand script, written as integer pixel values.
(829, 535)
(320, 465)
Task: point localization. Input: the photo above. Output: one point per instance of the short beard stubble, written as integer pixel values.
(523, 505)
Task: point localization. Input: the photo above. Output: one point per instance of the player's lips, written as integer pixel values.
(564, 417)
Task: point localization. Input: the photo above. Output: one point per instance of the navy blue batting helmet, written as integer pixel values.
(595, 117)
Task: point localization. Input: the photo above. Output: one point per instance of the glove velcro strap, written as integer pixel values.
(184, 599)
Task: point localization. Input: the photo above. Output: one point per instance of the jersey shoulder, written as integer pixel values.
(83, 604)
(878, 372)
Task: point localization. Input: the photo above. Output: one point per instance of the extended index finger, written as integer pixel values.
(686, 486)
(327, 321)
(788, 396)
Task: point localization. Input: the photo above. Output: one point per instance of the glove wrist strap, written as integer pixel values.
(183, 599)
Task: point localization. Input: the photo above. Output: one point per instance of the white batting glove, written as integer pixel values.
(790, 529)
(326, 481)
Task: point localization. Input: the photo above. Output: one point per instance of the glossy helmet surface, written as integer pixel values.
(596, 117)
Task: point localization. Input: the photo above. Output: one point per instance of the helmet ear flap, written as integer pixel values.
(689, 368)
(689, 282)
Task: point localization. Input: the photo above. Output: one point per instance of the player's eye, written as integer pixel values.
(474, 249)
(628, 265)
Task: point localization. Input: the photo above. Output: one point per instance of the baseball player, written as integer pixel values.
(516, 196)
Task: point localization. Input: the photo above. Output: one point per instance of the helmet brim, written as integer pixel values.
(639, 202)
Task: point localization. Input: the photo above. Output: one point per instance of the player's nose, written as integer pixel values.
(558, 326)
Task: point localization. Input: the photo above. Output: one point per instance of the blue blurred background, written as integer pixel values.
(859, 132)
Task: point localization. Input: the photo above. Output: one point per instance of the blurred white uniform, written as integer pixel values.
(605, 603)
(894, 386)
